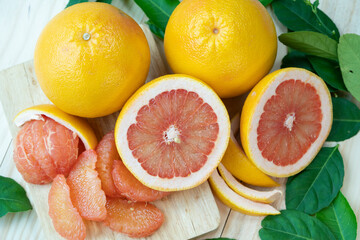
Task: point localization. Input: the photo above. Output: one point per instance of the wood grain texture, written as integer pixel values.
(22, 22)
(188, 213)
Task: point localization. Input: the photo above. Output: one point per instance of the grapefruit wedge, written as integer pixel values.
(172, 133)
(285, 120)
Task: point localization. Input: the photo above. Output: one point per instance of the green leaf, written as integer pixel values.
(316, 187)
(265, 2)
(158, 11)
(105, 1)
(329, 71)
(311, 43)
(301, 15)
(12, 197)
(296, 59)
(156, 30)
(349, 58)
(73, 2)
(346, 120)
(294, 225)
(340, 218)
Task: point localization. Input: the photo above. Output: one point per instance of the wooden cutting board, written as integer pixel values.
(188, 213)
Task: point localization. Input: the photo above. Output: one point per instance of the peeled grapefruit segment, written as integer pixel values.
(66, 219)
(85, 188)
(136, 219)
(237, 202)
(107, 153)
(285, 120)
(172, 133)
(236, 162)
(131, 188)
(249, 193)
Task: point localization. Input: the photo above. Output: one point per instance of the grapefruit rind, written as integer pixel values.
(253, 108)
(249, 193)
(237, 202)
(75, 124)
(128, 116)
(238, 164)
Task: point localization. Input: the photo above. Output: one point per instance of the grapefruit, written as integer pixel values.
(65, 217)
(49, 142)
(236, 201)
(136, 219)
(285, 120)
(131, 188)
(107, 153)
(172, 133)
(229, 44)
(90, 58)
(85, 188)
(236, 162)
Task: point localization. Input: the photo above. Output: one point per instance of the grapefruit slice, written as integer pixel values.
(237, 202)
(172, 133)
(251, 194)
(66, 219)
(107, 153)
(85, 188)
(239, 165)
(131, 188)
(285, 120)
(136, 219)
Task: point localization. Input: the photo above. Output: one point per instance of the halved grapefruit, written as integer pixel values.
(285, 120)
(172, 133)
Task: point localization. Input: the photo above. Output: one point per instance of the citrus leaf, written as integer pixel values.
(300, 15)
(316, 187)
(156, 30)
(329, 71)
(265, 2)
(346, 120)
(73, 2)
(296, 59)
(105, 1)
(158, 11)
(340, 218)
(295, 225)
(12, 197)
(311, 43)
(349, 58)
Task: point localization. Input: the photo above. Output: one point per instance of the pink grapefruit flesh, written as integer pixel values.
(131, 188)
(107, 153)
(85, 188)
(290, 122)
(135, 219)
(173, 134)
(66, 219)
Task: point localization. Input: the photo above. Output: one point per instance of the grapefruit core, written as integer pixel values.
(285, 120)
(172, 133)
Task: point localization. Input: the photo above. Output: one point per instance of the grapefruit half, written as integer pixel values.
(285, 120)
(172, 133)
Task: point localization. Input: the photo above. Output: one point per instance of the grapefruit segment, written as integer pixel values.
(85, 188)
(130, 187)
(172, 133)
(66, 219)
(136, 219)
(24, 156)
(107, 153)
(285, 120)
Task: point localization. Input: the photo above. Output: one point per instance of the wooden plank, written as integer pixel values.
(188, 213)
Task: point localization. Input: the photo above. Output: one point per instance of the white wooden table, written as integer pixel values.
(21, 22)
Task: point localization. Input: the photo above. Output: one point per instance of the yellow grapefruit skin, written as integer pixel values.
(158, 117)
(90, 58)
(229, 44)
(267, 90)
